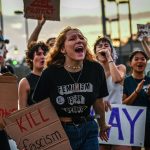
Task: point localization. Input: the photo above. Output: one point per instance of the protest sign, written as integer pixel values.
(143, 31)
(8, 95)
(34, 9)
(37, 127)
(128, 125)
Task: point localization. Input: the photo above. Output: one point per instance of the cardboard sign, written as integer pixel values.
(128, 125)
(34, 9)
(8, 95)
(37, 127)
(143, 31)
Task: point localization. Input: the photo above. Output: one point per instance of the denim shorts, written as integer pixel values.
(83, 136)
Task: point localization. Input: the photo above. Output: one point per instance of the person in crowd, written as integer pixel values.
(74, 82)
(35, 58)
(136, 90)
(115, 74)
(3, 54)
(34, 36)
(4, 144)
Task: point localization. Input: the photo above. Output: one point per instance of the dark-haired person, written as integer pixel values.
(115, 74)
(3, 54)
(74, 82)
(50, 41)
(35, 58)
(137, 89)
(34, 36)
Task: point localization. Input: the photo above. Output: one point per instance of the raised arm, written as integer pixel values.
(117, 72)
(35, 34)
(146, 45)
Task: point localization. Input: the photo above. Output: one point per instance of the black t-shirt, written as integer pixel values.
(32, 80)
(130, 85)
(56, 83)
(142, 99)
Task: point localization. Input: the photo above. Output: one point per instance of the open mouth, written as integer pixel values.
(79, 49)
(42, 62)
(102, 53)
(140, 66)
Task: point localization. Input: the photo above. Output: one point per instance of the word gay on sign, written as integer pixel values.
(37, 127)
(127, 125)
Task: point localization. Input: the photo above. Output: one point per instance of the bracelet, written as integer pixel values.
(110, 61)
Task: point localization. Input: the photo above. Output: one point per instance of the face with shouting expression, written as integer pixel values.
(138, 63)
(74, 47)
(39, 59)
(102, 49)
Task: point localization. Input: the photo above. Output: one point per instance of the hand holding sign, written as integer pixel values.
(143, 31)
(42, 21)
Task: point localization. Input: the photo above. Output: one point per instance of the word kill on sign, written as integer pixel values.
(31, 121)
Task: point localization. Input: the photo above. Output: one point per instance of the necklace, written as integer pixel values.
(74, 67)
(76, 87)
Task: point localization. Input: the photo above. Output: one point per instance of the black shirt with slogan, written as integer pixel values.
(72, 93)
